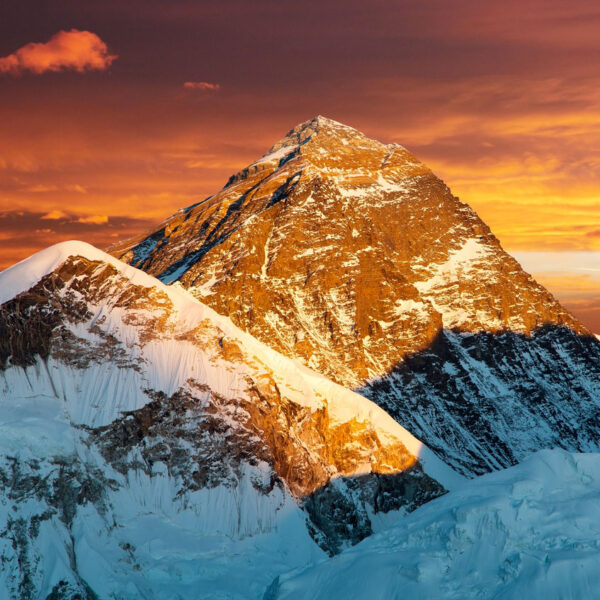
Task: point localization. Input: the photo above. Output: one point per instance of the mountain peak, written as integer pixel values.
(321, 135)
(352, 257)
(114, 385)
(25, 274)
(338, 153)
(321, 124)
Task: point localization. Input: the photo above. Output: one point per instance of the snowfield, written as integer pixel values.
(135, 536)
(529, 532)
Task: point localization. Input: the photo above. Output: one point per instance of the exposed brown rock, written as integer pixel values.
(338, 251)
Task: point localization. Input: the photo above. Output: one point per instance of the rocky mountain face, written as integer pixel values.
(152, 449)
(354, 258)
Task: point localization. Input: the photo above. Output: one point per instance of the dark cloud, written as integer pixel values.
(24, 232)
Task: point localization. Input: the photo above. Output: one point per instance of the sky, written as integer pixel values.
(113, 115)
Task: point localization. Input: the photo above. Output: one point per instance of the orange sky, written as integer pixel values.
(113, 116)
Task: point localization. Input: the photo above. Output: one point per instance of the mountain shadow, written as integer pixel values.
(341, 513)
(482, 401)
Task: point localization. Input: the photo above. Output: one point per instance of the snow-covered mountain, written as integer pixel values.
(530, 531)
(151, 449)
(352, 257)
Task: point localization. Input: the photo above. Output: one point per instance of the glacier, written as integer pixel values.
(529, 531)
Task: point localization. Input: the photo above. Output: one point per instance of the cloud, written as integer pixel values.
(43, 188)
(573, 277)
(55, 215)
(581, 265)
(66, 50)
(24, 232)
(202, 86)
(94, 219)
(40, 188)
(76, 188)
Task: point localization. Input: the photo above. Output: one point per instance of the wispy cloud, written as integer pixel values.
(76, 188)
(42, 188)
(55, 215)
(66, 50)
(574, 278)
(93, 219)
(559, 262)
(24, 232)
(202, 86)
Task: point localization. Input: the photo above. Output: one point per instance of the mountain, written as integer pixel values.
(352, 257)
(530, 531)
(151, 449)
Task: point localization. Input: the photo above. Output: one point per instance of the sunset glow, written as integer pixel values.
(115, 116)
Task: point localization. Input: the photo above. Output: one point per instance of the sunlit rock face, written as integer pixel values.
(144, 435)
(354, 258)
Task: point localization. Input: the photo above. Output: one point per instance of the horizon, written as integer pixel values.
(120, 116)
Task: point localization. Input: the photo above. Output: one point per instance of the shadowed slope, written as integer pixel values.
(484, 401)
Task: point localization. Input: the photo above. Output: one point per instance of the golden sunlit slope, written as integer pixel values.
(346, 253)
